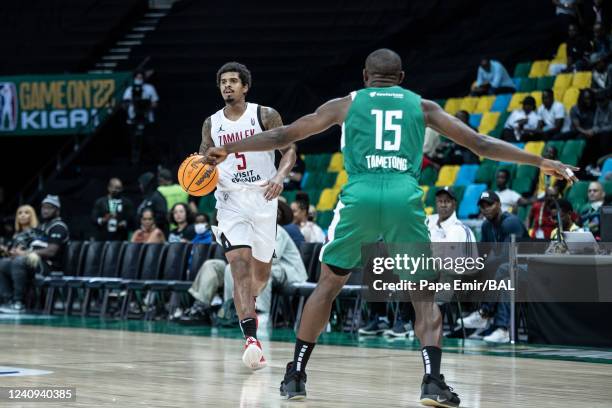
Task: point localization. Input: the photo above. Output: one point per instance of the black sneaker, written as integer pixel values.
(13, 308)
(400, 329)
(293, 385)
(198, 314)
(375, 327)
(435, 393)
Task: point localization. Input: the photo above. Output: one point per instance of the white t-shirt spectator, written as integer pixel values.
(148, 92)
(549, 116)
(509, 198)
(449, 230)
(533, 119)
(312, 232)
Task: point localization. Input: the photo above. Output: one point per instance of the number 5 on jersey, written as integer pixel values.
(389, 126)
(241, 157)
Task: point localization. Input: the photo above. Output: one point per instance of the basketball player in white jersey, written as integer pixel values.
(247, 192)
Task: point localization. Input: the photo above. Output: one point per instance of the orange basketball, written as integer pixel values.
(196, 178)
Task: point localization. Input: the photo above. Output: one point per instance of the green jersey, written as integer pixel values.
(383, 132)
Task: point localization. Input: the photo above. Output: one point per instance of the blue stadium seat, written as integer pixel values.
(501, 103)
(466, 175)
(475, 119)
(520, 145)
(469, 204)
(517, 82)
(605, 169)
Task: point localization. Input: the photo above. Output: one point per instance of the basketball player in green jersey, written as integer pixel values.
(382, 142)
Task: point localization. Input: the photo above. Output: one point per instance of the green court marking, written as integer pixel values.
(458, 346)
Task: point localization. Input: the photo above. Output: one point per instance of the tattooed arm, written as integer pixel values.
(271, 119)
(207, 141)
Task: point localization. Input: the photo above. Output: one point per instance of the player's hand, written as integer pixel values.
(274, 187)
(560, 170)
(214, 155)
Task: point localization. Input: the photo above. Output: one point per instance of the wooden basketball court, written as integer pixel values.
(126, 368)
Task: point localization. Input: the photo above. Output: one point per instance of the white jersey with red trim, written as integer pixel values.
(241, 170)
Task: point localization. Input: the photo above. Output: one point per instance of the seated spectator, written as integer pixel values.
(311, 231)
(566, 217)
(294, 178)
(431, 141)
(589, 213)
(113, 214)
(286, 221)
(450, 152)
(44, 252)
(203, 234)
(510, 199)
(148, 232)
(578, 50)
(183, 218)
(493, 78)
(552, 116)
(522, 124)
(25, 223)
(566, 11)
(600, 74)
(153, 200)
(172, 192)
(541, 225)
(602, 43)
(599, 137)
(581, 116)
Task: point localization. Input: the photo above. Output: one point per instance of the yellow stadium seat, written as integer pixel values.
(447, 175)
(425, 190)
(537, 95)
(328, 199)
(341, 179)
(429, 210)
(559, 92)
(452, 105)
(563, 81)
(535, 147)
(582, 80)
(488, 122)
(561, 53)
(336, 164)
(539, 69)
(469, 104)
(484, 104)
(570, 98)
(517, 100)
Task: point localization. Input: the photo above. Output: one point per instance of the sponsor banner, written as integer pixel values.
(58, 104)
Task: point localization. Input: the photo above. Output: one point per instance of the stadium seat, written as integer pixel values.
(522, 69)
(527, 85)
(429, 210)
(525, 178)
(561, 54)
(475, 119)
(570, 98)
(577, 194)
(559, 93)
(92, 261)
(469, 104)
(488, 122)
(501, 103)
(523, 211)
(539, 68)
(447, 175)
(324, 218)
(207, 204)
(517, 82)
(466, 175)
(563, 81)
(557, 144)
(516, 101)
(150, 266)
(318, 180)
(537, 95)
(582, 80)
(317, 162)
(336, 163)
(328, 199)
(607, 185)
(544, 83)
(440, 102)
(605, 169)
(289, 195)
(469, 204)
(199, 255)
(430, 197)
(341, 179)
(511, 167)
(425, 190)
(313, 195)
(453, 105)
(486, 172)
(500, 125)
(535, 147)
(428, 176)
(572, 152)
(484, 104)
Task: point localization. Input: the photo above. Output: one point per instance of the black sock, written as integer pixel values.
(432, 358)
(249, 327)
(302, 354)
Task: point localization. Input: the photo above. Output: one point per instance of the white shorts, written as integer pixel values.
(246, 219)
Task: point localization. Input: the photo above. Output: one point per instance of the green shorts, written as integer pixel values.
(371, 208)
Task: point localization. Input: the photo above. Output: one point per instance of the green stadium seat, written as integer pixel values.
(525, 178)
(428, 177)
(607, 185)
(511, 167)
(500, 125)
(430, 198)
(313, 195)
(324, 218)
(319, 180)
(528, 84)
(557, 144)
(544, 83)
(207, 204)
(577, 194)
(522, 69)
(440, 102)
(317, 162)
(572, 152)
(289, 195)
(486, 172)
(523, 212)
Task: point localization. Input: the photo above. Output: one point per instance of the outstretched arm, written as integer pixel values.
(483, 145)
(329, 114)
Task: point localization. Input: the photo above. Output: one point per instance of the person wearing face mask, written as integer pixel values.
(203, 234)
(112, 214)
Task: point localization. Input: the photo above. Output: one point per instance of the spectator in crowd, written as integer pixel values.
(287, 268)
(589, 214)
(431, 141)
(578, 49)
(567, 221)
(552, 116)
(148, 232)
(566, 11)
(294, 178)
(453, 153)
(286, 221)
(522, 124)
(600, 74)
(602, 43)
(41, 252)
(300, 207)
(140, 99)
(541, 225)
(599, 137)
(25, 223)
(510, 199)
(444, 226)
(493, 78)
(113, 214)
(203, 234)
(172, 192)
(153, 200)
(498, 227)
(182, 217)
(581, 115)
(596, 12)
